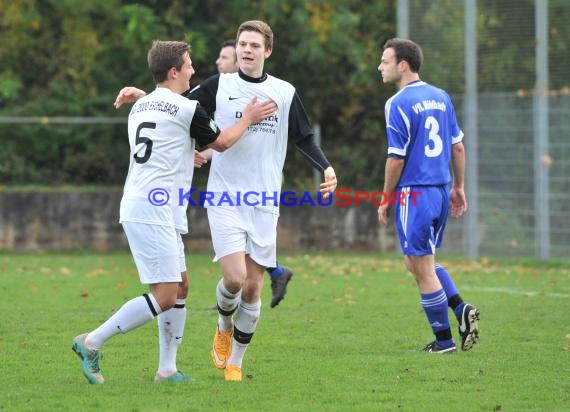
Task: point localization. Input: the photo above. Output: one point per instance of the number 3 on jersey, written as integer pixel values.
(435, 139)
(142, 141)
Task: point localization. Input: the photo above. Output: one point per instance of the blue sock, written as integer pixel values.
(276, 271)
(435, 307)
(449, 286)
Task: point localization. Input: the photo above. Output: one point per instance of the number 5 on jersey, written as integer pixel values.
(142, 141)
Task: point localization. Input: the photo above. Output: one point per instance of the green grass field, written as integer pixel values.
(345, 338)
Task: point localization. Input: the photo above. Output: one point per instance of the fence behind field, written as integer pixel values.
(512, 97)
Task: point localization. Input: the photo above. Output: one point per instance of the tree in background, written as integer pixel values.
(70, 57)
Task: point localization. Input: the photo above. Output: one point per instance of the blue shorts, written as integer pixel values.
(420, 218)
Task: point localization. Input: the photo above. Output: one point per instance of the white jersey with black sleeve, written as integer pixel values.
(255, 162)
(163, 130)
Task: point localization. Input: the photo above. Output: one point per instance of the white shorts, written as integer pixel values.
(181, 255)
(156, 251)
(244, 229)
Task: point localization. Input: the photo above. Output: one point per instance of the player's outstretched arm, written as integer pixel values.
(129, 94)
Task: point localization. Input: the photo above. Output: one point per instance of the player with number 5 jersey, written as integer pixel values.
(163, 130)
(244, 236)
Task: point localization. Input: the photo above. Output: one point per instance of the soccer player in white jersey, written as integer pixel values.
(424, 139)
(244, 236)
(280, 275)
(163, 130)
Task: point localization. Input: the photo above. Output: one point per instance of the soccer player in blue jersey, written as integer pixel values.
(424, 139)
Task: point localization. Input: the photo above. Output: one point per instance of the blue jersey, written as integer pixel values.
(421, 127)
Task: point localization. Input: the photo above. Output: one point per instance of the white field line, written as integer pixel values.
(510, 291)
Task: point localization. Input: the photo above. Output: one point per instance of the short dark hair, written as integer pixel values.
(229, 43)
(408, 51)
(259, 27)
(164, 55)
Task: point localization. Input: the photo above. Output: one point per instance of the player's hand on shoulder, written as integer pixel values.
(256, 112)
(129, 94)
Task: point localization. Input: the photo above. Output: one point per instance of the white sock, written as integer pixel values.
(247, 317)
(131, 315)
(170, 332)
(227, 302)
(238, 352)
